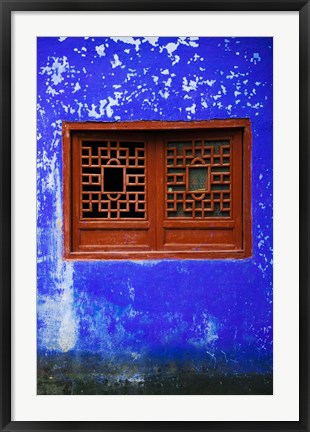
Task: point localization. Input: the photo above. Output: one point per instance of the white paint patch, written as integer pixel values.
(128, 40)
(146, 263)
(131, 290)
(176, 60)
(131, 74)
(113, 102)
(50, 90)
(49, 166)
(152, 40)
(189, 86)
(80, 105)
(116, 61)
(218, 96)
(211, 332)
(256, 58)
(56, 311)
(210, 82)
(100, 50)
(93, 113)
(193, 44)
(206, 330)
(67, 336)
(164, 94)
(58, 67)
(168, 82)
(76, 87)
(171, 47)
(191, 109)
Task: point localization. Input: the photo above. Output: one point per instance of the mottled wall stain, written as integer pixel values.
(213, 311)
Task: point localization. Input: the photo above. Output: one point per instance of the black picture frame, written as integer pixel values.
(7, 7)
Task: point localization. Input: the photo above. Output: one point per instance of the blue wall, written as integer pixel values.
(212, 312)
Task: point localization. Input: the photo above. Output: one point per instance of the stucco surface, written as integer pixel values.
(215, 314)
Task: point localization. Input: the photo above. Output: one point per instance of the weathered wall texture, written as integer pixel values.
(136, 318)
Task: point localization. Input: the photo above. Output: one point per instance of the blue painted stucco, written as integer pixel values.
(217, 312)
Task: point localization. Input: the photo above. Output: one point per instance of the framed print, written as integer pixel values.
(154, 184)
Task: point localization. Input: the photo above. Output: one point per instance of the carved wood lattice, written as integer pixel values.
(113, 180)
(198, 179)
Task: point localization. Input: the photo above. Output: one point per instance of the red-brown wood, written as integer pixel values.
(237, 181)
(158, 236)
(222, 253)
(206, 234)
(247, 190)
(105, 235)
(155, 125)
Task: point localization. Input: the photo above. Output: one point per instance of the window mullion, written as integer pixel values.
(151, 189)
(160, 180)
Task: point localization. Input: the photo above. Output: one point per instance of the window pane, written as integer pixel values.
(113, 180)
(200, 170)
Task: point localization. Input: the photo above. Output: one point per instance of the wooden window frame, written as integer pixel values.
(157, 236)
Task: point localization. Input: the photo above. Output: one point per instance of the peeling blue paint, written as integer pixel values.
(214, 311)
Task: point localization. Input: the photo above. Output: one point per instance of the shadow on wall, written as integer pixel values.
(73, 374)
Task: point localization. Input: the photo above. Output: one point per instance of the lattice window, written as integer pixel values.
(157, 189)
(198, 179)
(113, 180)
